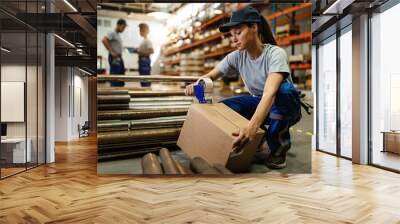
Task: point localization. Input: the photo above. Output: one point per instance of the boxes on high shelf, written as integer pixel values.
(287, 30)
(299, 58)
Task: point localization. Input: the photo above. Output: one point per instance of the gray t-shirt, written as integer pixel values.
(145, 45)
(115, 42)
(255, 72)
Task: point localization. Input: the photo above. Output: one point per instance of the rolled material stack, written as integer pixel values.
(149, 78)
(154, 93)
(113, 99)
(134, 122)
(151, 164)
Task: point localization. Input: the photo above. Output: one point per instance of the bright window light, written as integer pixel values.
(218, 11)
(160, 15)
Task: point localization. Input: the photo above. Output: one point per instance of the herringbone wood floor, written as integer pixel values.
(70, 191)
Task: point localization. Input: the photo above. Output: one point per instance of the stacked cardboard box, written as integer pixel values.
(207, 133)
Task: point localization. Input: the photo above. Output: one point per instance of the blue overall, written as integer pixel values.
(284, 113)
(144, 69)
(116, 67)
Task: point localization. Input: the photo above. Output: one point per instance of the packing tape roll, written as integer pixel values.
(206, 83)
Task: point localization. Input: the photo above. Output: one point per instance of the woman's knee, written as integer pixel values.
(286, 88)
(288, 98)
(244, 105)
(232, 104)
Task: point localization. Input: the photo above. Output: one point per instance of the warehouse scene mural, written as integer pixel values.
(204, 88)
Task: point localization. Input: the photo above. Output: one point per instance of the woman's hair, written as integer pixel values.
(264, 32)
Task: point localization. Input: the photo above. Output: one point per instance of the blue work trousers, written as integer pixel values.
(284, 113)
(144, 69)
(117, 67)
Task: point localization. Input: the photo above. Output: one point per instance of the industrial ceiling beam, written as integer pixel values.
(84, 24)
(78, 61)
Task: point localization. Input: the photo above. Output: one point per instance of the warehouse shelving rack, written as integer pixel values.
(276, 18)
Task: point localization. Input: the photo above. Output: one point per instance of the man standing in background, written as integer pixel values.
(113, 43)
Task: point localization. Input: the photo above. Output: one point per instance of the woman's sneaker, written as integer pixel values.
(276, 162)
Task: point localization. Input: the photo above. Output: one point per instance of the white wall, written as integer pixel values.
(12, 73)
(80, 109)
(71, 93)
(130, 37)
(82, 82)
(61, 103)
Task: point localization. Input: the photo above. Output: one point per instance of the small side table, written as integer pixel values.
(391, 141)
(13, 150)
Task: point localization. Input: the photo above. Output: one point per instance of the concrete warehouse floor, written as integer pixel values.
(298, 159)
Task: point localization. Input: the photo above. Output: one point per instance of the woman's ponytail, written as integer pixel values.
(265, 32)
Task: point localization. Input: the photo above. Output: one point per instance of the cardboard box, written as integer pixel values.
(207, 132)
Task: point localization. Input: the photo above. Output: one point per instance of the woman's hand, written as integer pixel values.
(213, 75)
(243, 136)
(189, 91)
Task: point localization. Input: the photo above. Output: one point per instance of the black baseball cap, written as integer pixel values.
(246, 15)
(121, 22)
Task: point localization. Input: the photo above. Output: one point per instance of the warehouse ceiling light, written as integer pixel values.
(86, 72)
(79, 51)
(5, 50)
(337, 7)
(65, 41)
(160, 15)
(70, 5)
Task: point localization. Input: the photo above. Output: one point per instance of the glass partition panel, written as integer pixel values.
(31, 98)
(22, 88)
(385, 89)
(15, 151)
(346, 93)
(327, 96)
(41, 99)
